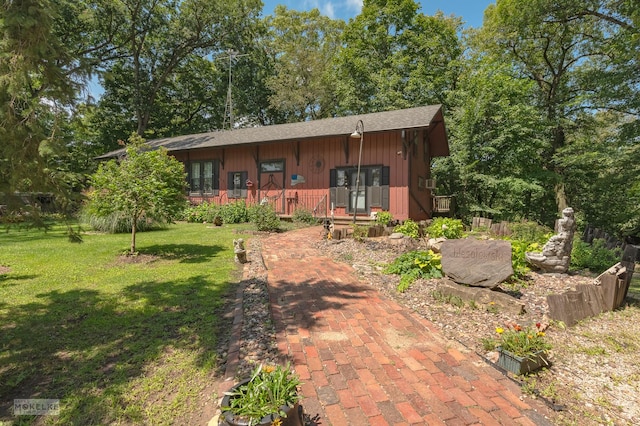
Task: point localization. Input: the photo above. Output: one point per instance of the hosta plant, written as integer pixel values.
(414, 265)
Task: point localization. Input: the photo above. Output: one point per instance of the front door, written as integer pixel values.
(358, 200)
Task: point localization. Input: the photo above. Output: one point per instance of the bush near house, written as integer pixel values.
(595, 257)
(445, 227)
(264, 217)
(408, 228)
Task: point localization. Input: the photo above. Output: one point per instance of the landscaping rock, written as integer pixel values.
(483, 298)
(477, 263)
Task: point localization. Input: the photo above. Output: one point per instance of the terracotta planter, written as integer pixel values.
(294, 414)
(522, 365)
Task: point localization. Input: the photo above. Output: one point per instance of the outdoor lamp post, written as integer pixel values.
(358, 133)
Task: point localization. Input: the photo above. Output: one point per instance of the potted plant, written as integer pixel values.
(269, 397)
(521, 350)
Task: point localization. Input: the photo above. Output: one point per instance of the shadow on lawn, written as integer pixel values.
(184, 253)
(84, 347)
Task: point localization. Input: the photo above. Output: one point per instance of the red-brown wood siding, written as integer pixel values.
(419, 197)
(314, 158)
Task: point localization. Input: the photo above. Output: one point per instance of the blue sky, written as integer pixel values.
(471, 11)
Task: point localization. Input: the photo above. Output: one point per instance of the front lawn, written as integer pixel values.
(118, 340)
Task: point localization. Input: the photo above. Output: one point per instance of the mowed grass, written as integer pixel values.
(117, 340)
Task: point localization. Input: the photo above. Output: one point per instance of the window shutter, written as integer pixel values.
(384, 195)
(231, 192)
(333, 178)
(375, 195)
(243, 180)
(230, 181)
(386, 172)
(332, 196)
(216, 176)
(342, 196)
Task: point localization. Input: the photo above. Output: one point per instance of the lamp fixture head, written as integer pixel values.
(358, 132)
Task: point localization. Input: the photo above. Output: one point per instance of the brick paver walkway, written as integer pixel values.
(366, 360)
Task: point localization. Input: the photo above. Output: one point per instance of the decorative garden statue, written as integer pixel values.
(239, 250)
(556, 253)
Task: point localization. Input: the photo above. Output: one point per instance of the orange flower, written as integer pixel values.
(268, 369)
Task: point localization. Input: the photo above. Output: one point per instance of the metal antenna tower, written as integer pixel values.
(232, 55)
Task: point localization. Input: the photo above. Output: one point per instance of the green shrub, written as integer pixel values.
(408, 228)
(360, 232)
(235, 212)
(445, 227)
(414, 265)
(595, 257)
(530, 231)
(518, 259)
(201, 213)
(117, 224)
(264, 217)
(525, 237)
(304, 216)
(384, 218)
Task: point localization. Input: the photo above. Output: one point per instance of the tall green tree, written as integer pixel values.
(495, 138)
(603, 173)
(396, 57)
(569, 49)
(156, 44)
(303, 45)
(191, 100)
(144, 184)
(41, 72)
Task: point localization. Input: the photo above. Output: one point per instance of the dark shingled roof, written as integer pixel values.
(375, 122)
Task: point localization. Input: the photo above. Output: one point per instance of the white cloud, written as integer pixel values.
(327, 10)
(335, 8)
(355, 5)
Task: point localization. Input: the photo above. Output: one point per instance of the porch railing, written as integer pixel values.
(442, 203)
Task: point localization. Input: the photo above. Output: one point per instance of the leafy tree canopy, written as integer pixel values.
(395, 57)
(144, 184)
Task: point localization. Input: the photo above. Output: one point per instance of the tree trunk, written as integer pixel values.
(133, 235)
(561, 197)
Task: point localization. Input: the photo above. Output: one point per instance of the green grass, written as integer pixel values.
(634, 287)
(118, 342)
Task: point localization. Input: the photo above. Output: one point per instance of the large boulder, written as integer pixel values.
(477, 263)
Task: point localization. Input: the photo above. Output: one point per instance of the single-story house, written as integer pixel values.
(314, 164)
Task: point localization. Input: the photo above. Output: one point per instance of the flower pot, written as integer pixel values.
(294, 415)
(521, 365)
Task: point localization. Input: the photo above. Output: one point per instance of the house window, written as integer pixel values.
(237, 184)
(374, 181)
(203, 177)
(376, 174)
